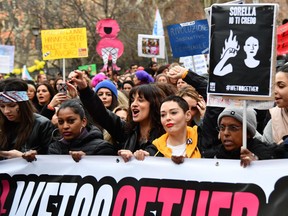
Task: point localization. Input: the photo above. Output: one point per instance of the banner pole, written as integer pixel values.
(63, 74)
(244, 125)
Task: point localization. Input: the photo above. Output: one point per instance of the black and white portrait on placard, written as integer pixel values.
(241, 49)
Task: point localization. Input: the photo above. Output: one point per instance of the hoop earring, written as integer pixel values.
(55, 134)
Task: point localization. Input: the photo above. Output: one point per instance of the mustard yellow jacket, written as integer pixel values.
(192, 150)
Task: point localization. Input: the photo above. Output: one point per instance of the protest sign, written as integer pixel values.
(151, 46)
(240, 56)
(64, 43)
(90, 68)
(6, 58)
(190, 38)
(105, 185)
(197, 63)
(4, 64)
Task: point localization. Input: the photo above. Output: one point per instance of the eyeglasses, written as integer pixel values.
(231, 128)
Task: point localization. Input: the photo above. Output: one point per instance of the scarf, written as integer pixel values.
(279, 117)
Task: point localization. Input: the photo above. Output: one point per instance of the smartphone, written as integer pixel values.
(62, 88)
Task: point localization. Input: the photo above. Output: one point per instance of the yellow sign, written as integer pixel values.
(64, 43)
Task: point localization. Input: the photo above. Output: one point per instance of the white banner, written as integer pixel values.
(105, 185)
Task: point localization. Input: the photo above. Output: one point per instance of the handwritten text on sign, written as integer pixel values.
(64, 43)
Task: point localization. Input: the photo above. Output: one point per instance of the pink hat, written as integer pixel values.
(140, 68)
(98, 78)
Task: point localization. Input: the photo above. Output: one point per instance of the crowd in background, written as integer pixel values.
(158, 110)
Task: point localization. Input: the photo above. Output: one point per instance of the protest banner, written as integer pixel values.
(105, 185)
(282, 39)
(64, 43)
(151, 46)
(240, 57)
(190, 38)
(6, 58)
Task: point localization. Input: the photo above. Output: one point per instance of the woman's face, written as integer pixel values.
(31, 92)
(136, 80)
(106, 96)
(127, 87)
(57, 83)
(43, 95)
(10, 111)
(192, 105)
(122, 114)
(181, 83)
(230, 131)
(70, 124)
(251, 46)
(281, 89)
(162, 79)
(173, 118)
(140, 108)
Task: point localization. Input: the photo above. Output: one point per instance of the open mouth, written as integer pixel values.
(135, 112)
(277, 100)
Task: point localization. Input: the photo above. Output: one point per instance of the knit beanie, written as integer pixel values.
(98, 78)
(144, 77)
(109, 85)
(237, 113)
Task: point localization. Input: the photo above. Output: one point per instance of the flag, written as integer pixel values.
(158, 25)
(26, 74)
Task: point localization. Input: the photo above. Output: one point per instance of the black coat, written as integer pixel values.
(261, 150)
(90, 141)
(40, 137)
(114, 125)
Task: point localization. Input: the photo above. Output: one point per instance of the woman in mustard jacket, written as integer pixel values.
(179, 141)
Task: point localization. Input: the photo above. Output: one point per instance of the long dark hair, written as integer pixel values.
(26, 110)
(49, 87)
(154, 95)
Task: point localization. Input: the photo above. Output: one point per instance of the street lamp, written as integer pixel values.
(35, 31)
(38, 43)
